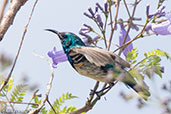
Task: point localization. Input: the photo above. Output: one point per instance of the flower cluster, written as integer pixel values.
(158, 13)
(163, 28)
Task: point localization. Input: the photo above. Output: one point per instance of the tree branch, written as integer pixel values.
(90, 104)
(113, 26)
(129, 26)
(9, 16)
(19, 103)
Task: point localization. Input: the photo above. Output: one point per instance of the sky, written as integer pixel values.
(68, 15)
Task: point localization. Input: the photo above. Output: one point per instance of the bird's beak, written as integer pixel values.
(56, 32)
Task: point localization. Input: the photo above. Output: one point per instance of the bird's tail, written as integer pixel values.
(141, 89)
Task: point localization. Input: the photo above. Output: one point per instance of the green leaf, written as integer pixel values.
(58, 103)
(145, 54)
(9, 87)
(132, 56)
(71, 109)
(158, 71)
(43, 110)
(18, 93)
(136, 74)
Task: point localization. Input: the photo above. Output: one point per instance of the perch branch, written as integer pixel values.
(90, 104)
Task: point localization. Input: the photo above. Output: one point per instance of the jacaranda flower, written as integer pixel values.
(159, 12)
(57, 56)
(88, 41)
(163, 28)
(99, 19)
(121, 40)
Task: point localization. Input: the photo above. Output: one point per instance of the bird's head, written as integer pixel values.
(68, 39)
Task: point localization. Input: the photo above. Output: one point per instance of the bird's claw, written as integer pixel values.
(93, 92)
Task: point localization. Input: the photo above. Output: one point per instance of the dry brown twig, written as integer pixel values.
(49, 86)
(9, 16)
(51, 106)
(129, 25)
(22, 39)
(19, 103)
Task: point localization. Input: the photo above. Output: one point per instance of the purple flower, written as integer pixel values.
(121, 39)
(159, 12)
(96, 9)
(163, 28)
(91, 11)
(57, 56)
(88, 41)
(84, 34)
(137, 19)
(89, 16)
(100, 7)
(83, 31)
(134, 26)
(99, 20)
(106, 7)
(89, 27)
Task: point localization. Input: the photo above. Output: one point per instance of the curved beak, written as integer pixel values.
(56, 32)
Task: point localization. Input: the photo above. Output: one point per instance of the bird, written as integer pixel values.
(97, 63)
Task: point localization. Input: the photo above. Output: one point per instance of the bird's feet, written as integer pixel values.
(97, 93)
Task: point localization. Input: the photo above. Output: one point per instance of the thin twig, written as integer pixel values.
(34, 94)
(89, 105)
(19, 103)
(49, 86)
(51, 106)
(129, 26)
(126, 6)
(18, 52)
(94, 89)
(137, 37)
(115, 22)
(3, 6)
(8, 101)
(104, 30)
(9, 16)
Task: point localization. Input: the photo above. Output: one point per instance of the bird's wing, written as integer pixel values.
(99, 56)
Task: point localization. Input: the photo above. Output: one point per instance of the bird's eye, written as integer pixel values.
(68, 43)
(65, 36)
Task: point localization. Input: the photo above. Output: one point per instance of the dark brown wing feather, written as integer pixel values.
(99, 56)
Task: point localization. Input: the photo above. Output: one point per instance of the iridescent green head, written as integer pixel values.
(68, 40)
